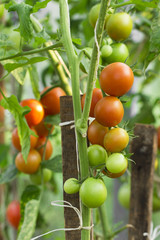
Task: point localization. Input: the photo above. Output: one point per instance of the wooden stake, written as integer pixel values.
(144, 147)
(69, 162)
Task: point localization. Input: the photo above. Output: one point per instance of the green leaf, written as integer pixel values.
(34, 78)
(146, 3)
(41, 37)
(77, 41)
(54, 119)
(9, 174)
(30, 217)
(40, 5)
(11, 103)
(55, 164)
(24, 10)
(4, 150)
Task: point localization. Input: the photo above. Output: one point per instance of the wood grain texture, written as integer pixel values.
(144, 149)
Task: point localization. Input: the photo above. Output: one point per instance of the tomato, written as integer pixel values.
(36, 114)
(158, 133)
(93, 192)
(116, 163)
(1, 10)
(97, 156)
(96, 133)
(43, 128)
(109, 111)
(13, 214)
(124, 193)
(113, 175)
(51, 100)
(40, 147)
(33, 162)
(36, 177)
(16, 139)
(116, 140)
(119, 53)
(71, 186)
(106, 51)
(116, 79)
(119, 26)
(96, 96)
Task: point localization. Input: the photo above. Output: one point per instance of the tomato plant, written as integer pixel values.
(13, 214)
(119, 26)
(97, 156)
(40, 147)
(36, 114)
(71, 186)
(116, 140)
(96, 96)
(109, 111)
(93, 192)
(96, 133)
(116, 79)
(32, 164)
(36, 178)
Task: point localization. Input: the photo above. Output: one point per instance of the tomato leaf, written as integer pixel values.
(11, 103)
(55, 164)
(38, 5)
(34, 78)
(9, 174)
(54, 120)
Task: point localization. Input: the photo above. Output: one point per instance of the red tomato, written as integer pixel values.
(116, 79)
(40, 147)
(43, 129)
(16, 140)
(96, 133)
(13, 214)
(109, 111)
(32, 164)
(36, 114)
(51, 100)
(96, 96)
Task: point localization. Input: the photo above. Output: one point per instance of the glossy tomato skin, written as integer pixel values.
(40, 147)
(93, 192)
(33, 162)
(96, 133)
(96, 96)
(43, 129)
(109, 111)
(36, 177)
(116, 163)
(16, 139)
(116, 79)
(119, 53)
(36, 114)
(119, 26)
(13, 214)
(116, 140)
(71, 186)
(97, 156)
(51, 100)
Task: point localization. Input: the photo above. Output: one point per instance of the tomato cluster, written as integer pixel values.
(40, 146)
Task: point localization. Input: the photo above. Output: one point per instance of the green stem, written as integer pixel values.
(55, 59)
(74, 69)
(82, 125)
(121, 4)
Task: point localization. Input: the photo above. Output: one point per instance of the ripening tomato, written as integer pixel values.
(16, 139)
(43, 128)
(96, 96)
(97, 156)
(119, 26)
(113, 175)
(96, 133)
(51, 100)
(32, 164)
(116, 163)
(40, 147)
(109, 111)
(116, 79)
(71, 186)
(93, 192)
(36, 114)
(116, 140)
(13, 214)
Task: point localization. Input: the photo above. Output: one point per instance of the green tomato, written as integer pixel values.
(106, 51)
(107, 41)
(124, 193)
(1, 10)
(97, 156)
(119, 53)
(71, 186)
(93, 192)
(116, 163)
(36, 177)
(119, 26)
